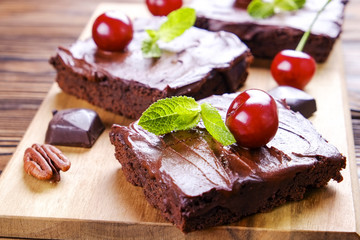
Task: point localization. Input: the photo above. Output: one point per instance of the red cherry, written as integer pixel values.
(293, 68)
(112, 31)
(253, 118)
(163, 7)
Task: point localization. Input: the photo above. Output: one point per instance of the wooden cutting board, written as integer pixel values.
(94, 201)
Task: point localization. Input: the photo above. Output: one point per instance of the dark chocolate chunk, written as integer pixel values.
(297, 100)
(76, 127)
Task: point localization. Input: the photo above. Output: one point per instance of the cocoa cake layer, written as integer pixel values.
(197, 183)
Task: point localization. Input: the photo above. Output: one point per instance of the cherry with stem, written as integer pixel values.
(294, 67)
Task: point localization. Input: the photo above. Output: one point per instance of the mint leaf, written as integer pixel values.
(289, 5)
(300, 3)
(182, 113)
(215, 125)
(260, 9)
(150, 49)
(178, 22)
(286, 5)
(171, 114)
(265, 9)
(153, 34)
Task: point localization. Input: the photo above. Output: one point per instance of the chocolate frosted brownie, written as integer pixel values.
(197, 183)
(199, 63)
(266, 37)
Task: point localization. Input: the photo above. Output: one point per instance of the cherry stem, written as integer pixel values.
(306, 35)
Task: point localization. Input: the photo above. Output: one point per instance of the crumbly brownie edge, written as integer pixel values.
(124, 98)
(291, 191)
(135, 173)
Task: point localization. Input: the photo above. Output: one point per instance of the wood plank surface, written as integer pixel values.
(93, 200)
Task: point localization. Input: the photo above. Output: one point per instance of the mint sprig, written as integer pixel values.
(182, 113)
(265, 9)
(176, 24)
(171, 114)
(215, 125)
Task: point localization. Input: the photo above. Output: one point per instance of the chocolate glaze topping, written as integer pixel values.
(185, 60)
(208, 165)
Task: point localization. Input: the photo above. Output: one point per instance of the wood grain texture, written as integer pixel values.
(93, 200)
(351, 48)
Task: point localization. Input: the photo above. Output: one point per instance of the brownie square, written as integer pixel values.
(197, 183)
(267, 37)
(199, 63)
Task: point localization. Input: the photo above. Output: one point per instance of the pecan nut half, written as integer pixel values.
(45, 161)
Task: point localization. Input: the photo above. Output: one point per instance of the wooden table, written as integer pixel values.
(32, 29)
